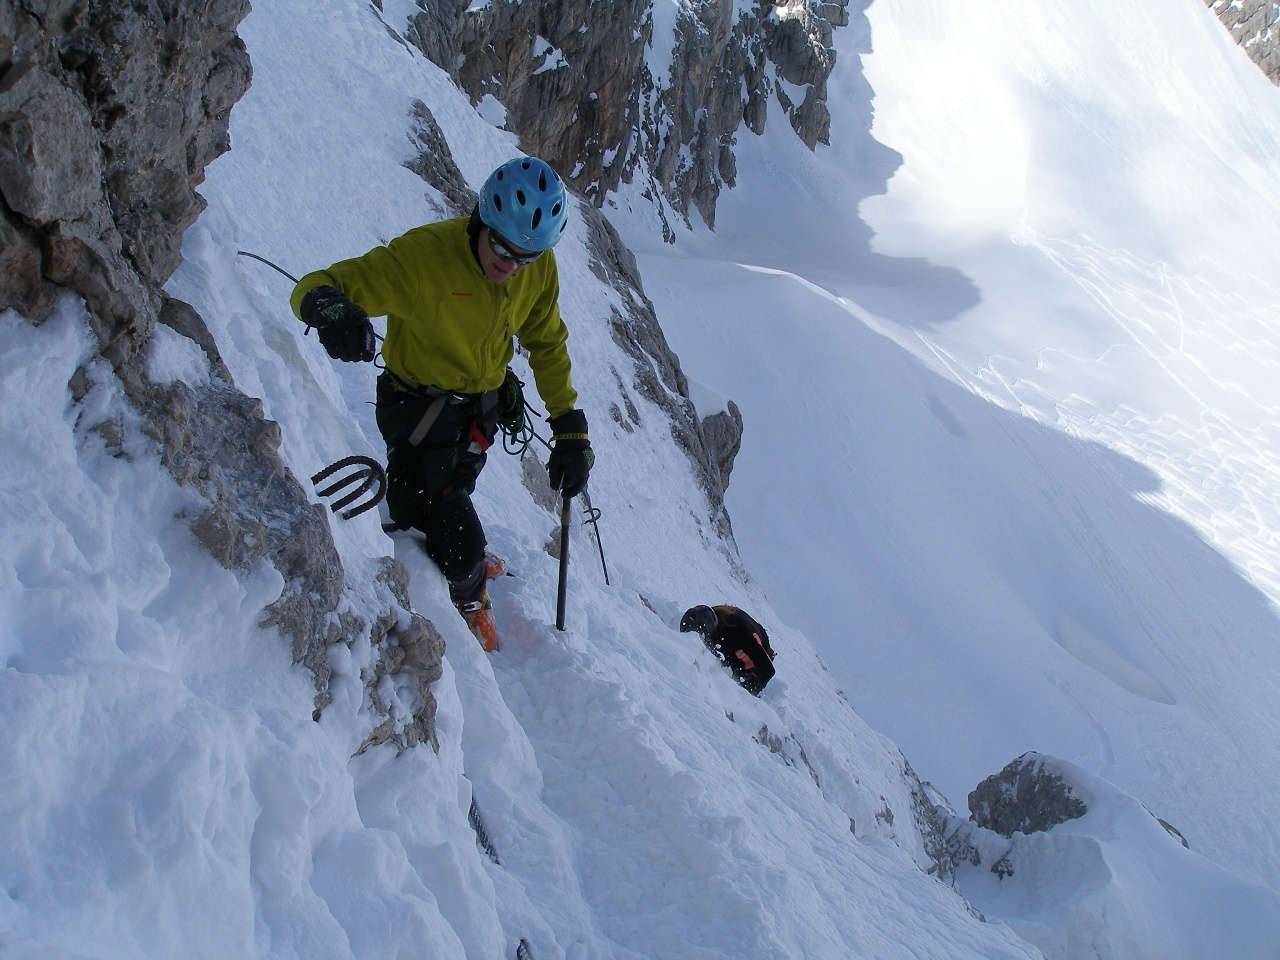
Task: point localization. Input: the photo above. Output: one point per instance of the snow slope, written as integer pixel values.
(166, 792)
(1011, 444)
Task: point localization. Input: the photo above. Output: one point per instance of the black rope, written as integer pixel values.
(246, 253)
(590, 514)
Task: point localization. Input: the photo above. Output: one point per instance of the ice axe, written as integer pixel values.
(564, 562)
(363, 470)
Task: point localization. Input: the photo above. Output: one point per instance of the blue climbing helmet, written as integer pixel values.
(524, 201)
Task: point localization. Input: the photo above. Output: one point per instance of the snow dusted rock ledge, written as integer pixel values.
(1027, 796)
(610, 91)
(112, 113)
(1079, 869)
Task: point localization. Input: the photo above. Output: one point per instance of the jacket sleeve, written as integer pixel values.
(546, 338)
(381, 282)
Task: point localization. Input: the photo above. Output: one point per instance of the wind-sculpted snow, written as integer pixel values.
(1115, 881)
(1211, 433)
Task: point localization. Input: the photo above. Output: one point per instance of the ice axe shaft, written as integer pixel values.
(564, 562)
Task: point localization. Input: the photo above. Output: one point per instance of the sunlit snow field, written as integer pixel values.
(1012, 428)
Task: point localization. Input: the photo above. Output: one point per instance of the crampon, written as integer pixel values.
(365, 471)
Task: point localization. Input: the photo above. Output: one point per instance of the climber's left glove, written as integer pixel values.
(571, 456)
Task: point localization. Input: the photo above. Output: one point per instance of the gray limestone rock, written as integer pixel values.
(944, 835)
(1255, 24)
(414, 648)
(50, 165)
(1024, 797)
(109, 113)
(658, 377)
(435, 164)
(580, 90)
(722, 435)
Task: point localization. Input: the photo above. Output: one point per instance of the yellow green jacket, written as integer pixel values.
(448, 325)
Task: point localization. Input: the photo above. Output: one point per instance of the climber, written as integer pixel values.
(737, 640)
(454, 294)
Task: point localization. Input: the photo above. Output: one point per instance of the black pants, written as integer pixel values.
(429, 486)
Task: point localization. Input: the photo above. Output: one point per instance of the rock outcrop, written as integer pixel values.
(610, 90)
(710, 444)
(1256, 26)
(1024, 797)
(110, 111)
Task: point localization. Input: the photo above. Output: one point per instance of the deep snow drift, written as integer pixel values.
(166, 792)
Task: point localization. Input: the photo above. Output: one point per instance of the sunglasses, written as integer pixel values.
(502, 250)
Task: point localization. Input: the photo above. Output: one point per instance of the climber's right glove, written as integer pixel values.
(344, 329)
(571, 457)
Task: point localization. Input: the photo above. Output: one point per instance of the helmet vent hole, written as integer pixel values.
(501, 174)
(520, 198)
(497, 203)
(537, 216)
(555, 211)
(524, 164)
(542, 182)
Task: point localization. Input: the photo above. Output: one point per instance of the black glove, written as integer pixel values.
(345, 330)
(571, 457)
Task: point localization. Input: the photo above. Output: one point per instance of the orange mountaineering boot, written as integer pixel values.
(494, 566)
(479, 616)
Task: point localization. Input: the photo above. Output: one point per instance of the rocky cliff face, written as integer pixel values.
(614, 90)
(109, 112)
(1256, 26)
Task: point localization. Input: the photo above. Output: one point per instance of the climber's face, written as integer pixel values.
(499, 259)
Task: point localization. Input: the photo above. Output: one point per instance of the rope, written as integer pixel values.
(590, 514)
(246, 253)
(517, 433)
